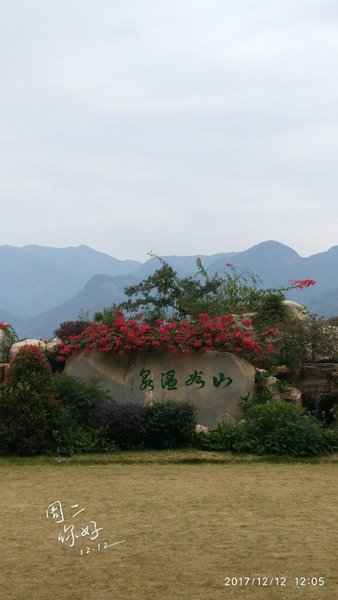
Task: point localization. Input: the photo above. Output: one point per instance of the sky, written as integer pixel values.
(185, 127)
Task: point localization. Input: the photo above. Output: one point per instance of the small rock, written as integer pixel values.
(201, 429)
(283, 369)
(292, 394)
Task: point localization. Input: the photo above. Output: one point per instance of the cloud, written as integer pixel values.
(184, 127)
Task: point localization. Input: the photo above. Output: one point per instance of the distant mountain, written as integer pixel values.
(42, 287)
(83, 260)
(277, 264)
(101, 291)
(35, 278)
(6, 316)
(325, 304)
(273, 262)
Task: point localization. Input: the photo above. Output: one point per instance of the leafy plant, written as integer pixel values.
(76, 439)
(165, 295)
(123, 423)
(306, 340)
(261, 394)
(83, 399)
(331, 438)
(169, 424)
(30, 366)
(107, 316)
(219, 440)
(276, 428)
(270, 310)
(29, 409)
(283, 428)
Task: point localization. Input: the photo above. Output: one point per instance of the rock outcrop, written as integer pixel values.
(319, 379)
(214, 382)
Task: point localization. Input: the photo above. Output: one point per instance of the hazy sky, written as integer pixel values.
(182, 127)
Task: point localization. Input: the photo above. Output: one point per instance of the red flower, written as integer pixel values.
(208, 334)
(301, 283)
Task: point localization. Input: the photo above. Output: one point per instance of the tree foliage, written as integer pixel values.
(306, 340)
(165, 295)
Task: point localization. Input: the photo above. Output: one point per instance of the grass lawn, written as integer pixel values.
(190, 519)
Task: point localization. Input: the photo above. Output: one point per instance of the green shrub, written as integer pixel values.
(270, 309)
(331, 438)
(227, 437)
(29, 365)
(306, 340)
(220, 439)
(29, 409)
(82, 398)
(169, 424)
(107, 316)
(277, 428)
(261, 394)
(123, 423)
(78, 430)
(72, 438)
(41, 412)
(283, 428)
(27, 419)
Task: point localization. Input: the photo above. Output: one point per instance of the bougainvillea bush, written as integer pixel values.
(126, 335)
(184, 315)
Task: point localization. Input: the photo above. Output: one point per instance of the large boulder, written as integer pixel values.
(297, 310)
(214, 382)
(5, 345)
(18, 345)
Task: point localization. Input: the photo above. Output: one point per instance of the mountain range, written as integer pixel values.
(41, 287)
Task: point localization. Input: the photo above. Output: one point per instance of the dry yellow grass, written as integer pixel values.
(187, 526)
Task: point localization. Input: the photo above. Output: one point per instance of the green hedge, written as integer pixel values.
(169, 424)
(277, 428)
